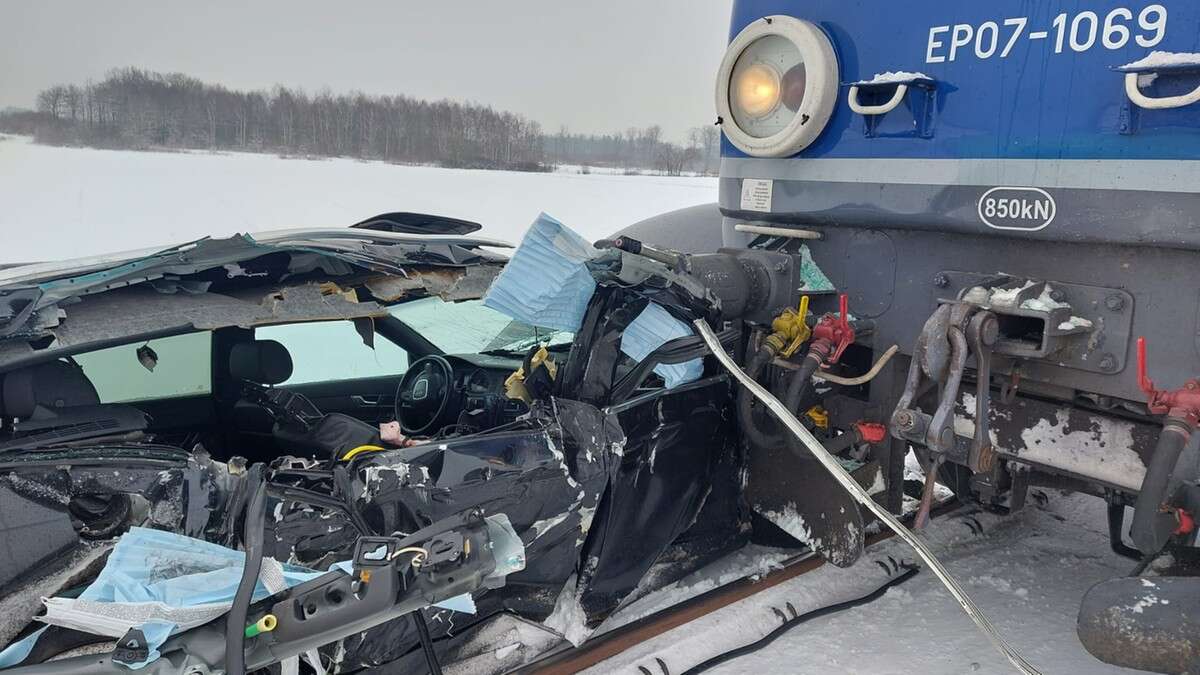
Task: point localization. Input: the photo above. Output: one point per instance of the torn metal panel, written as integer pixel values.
(118, 316)
(675, 444)
(449, 284)
(80, 499)
(548, 478)
(32, 292)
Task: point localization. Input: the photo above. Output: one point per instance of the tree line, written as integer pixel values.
(638, 148)
(132, 108)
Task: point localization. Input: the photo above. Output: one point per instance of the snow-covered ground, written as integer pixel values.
(68, 202)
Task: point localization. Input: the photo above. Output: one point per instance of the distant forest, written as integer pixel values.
(144, 110)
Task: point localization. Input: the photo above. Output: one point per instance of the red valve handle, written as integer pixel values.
(1144, 381)
(1182, 403)
(836, 331)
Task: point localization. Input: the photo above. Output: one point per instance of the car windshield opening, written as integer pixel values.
(469, 327)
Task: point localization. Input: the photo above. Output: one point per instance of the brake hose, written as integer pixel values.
(834, 468)
(763, 438)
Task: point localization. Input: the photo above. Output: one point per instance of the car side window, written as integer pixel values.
(328, 351)
(183, 368)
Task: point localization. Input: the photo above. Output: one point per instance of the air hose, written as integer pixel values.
(798, 387)
(759, 436)
(1152, 527)
(788, 331)
(835, 469)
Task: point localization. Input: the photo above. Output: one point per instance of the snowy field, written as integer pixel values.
(1027, 572)
(68, 202)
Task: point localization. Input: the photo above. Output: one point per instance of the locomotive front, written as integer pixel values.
(1010, 193)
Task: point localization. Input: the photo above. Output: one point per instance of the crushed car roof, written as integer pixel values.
(244, 280)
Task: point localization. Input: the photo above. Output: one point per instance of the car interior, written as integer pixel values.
(304, 389)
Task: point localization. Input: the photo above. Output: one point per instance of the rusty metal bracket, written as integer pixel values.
(952, 334)
(982, 332)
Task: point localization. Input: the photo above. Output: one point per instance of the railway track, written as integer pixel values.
(607, 645)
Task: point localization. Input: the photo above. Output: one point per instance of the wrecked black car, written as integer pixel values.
(246, 392)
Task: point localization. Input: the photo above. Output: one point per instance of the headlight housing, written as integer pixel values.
(777, 86)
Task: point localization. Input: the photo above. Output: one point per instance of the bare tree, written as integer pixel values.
(706, 141)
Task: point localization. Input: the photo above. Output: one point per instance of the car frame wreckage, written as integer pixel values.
(599, 469)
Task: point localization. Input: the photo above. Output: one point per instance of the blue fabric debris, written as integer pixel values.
(653, 328)
(546, 283)
(156, 575)
(17, 651)
(179, 571)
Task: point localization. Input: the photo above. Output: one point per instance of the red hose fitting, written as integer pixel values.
(1182, 403)
(870, 432)
(1187, 524)
(835, 331)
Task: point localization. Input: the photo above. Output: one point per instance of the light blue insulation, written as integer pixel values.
(17, 651)
(546, 283)
(653, 328)
(154, 579)
(179, 571)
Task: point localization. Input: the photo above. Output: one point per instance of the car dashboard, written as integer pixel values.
(478, 391)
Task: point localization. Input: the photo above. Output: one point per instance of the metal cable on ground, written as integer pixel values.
(797, 620)
(814, 446)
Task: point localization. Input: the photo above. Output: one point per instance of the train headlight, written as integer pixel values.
(755, 91)
(777, 86)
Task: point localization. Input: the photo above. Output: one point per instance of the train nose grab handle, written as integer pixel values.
(1134, 92)
(882, 108)
(814, 446)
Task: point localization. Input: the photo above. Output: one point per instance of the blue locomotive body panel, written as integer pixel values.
(1027, 100)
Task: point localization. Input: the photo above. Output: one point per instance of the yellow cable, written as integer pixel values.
(361, 449)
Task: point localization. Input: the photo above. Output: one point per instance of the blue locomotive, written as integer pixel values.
(1005, 196)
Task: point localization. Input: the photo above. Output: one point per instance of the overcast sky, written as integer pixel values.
(594, 66)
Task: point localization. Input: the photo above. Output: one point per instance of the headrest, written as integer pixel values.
(261, 361)
(37, 391)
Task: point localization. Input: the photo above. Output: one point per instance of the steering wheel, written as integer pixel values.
(423, 394)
